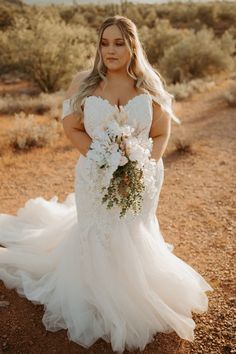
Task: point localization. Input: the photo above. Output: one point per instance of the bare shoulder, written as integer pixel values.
(75, 83)
(161, 122)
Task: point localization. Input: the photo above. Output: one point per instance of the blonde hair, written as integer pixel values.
(138, 67)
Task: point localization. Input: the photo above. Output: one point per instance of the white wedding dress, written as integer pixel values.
(97, 275)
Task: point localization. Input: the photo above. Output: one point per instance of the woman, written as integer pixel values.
(100, 276)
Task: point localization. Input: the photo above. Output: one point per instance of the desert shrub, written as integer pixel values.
(207, 14)
(183, 146)
(14, 104)
(198, 54)
(181, 91)
(132, 12)
(27, 133)
(68, 13)
(47, 49)
(230, 95)
(219, 16)
(184, 90)
(227, 15)
(8, 11)
(161, 37)
(6, 19)
(182, 13)
(51, 43)
(232, 32)
(23, 103)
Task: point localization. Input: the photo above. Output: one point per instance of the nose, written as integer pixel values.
(111, 48)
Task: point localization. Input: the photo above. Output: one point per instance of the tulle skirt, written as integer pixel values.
(96, 275)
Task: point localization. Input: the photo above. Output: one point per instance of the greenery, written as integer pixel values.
(50, 43)
(126, 189)
(197, 55)
(45, 48)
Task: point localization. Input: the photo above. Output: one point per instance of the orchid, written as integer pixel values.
(122, 168)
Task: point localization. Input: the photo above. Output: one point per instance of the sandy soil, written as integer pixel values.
(195, 212)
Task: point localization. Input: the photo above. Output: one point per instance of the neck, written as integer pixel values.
(117, 76)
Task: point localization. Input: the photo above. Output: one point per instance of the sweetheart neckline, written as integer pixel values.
(116, 106)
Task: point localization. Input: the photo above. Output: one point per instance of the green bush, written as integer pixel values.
(50, 43)
(158, 39)
(198, 54)
(47, 49)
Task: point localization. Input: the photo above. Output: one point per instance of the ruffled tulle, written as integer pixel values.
(123, 293)
(96, 275)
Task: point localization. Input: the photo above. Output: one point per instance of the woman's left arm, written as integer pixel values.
(160, 131)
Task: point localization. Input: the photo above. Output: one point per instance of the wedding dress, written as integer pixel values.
(97, 275)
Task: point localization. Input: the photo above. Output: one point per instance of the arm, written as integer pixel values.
(160, 131)
(75, 131)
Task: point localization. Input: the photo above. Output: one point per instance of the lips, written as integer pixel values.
(111, 58)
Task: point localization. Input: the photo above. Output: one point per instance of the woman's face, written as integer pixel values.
(114, 51)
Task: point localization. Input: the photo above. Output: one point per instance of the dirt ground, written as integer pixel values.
(195, 212)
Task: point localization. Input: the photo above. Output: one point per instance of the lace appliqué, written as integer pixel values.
(104, 220)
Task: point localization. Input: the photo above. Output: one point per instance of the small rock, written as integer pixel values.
(4, 303)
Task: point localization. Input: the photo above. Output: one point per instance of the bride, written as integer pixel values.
(97, 275)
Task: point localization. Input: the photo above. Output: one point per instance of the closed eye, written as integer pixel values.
(106, 44)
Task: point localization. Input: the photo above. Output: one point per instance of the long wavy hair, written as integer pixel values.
(138, 67)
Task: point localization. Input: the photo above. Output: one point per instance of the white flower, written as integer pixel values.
(127, 130)
(114, 128)
(99, 134)
(115, 159)
(123, 160)
(115, 146)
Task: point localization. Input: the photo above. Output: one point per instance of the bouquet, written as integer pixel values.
(121, 165)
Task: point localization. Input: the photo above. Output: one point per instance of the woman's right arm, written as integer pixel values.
(75, 131)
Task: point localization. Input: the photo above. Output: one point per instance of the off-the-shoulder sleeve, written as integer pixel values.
(166, 105)
(67, 107)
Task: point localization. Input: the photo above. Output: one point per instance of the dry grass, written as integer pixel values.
(185, 90)
(230, 95)
(11, 104)
(27, 133)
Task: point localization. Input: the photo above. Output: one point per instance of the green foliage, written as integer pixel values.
(50, 43)
(126, 189)
(161, 37)
(219, 16)
(47, 49)
(198, 54)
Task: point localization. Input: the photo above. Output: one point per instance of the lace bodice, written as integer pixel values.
(138, 109)
(97, 109)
